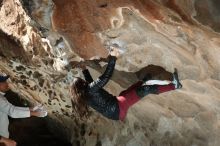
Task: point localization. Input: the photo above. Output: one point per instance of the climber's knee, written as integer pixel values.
(145, 90)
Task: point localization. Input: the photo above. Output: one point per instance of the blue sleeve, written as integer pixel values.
(104, 78)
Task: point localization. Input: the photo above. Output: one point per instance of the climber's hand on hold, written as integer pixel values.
(114, 51)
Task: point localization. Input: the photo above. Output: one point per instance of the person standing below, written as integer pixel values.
(7, 109)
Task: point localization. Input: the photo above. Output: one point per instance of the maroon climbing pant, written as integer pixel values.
(129, 97)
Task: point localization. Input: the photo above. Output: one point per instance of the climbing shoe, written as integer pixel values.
(176, 81)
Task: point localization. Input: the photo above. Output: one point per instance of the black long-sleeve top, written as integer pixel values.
(99, 99)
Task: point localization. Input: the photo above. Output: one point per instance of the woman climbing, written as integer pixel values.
(91, 93)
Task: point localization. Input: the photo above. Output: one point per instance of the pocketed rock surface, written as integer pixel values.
(41, 39)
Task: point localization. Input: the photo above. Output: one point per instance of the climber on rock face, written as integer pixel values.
(91, 93)
(7, 109)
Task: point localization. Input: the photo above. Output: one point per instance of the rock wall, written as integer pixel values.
(155, 37)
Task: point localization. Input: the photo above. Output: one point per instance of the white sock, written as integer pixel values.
(156, 82)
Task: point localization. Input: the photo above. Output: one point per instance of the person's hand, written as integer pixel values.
(37, 107)
(38, 111)
(8, 142)
(114, 51)
(41, 114)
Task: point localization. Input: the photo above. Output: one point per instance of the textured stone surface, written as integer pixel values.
(155, 36)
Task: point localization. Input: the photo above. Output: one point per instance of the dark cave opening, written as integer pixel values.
(154, 72)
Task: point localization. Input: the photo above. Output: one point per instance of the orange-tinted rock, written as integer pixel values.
(78, 24)
(180, 9)
(79, 21)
